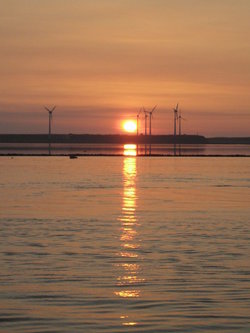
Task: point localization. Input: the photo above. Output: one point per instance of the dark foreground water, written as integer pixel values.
(120, 149)
(124, 244)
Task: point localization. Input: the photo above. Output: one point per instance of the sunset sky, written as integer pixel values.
(99, 61)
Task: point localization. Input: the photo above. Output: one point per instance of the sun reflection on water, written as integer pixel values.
(129, 277)
(129, 150)
(127, 323)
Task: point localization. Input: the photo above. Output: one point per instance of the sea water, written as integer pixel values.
(118, 149)
(124, 244)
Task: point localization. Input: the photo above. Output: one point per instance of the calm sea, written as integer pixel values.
(118, 149)
(124, 244)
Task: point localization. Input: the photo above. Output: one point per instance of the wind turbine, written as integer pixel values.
(180, 118)
(137, 121)
(146, 120)
(150, 119)
(50, 111)
(175, 118)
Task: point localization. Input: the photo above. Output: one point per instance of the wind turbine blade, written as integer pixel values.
(46, 109)
(53, 108)
(153, 108)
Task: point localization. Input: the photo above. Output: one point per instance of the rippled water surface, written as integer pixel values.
(124, 244)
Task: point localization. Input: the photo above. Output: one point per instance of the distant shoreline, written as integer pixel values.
(122, 155)
(119, 139)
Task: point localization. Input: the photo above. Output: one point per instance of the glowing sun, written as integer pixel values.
(129, 126)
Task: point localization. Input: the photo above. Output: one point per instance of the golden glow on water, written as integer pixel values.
(129, 276)
(128, 293)
(128, 323)
(130, 246)
(128, 235)
(130, 146)
(130, 279)
(188, 227)
(129, 255)
(129, 150)
(130, 267)
(64, 238)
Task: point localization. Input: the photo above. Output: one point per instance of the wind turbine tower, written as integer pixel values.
(137, 121)
(150, 119)
(176, 116)
(50, 111)
(146, 121)
(180, 118)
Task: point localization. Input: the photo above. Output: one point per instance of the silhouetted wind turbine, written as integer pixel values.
(150, 119)
(137, 123)
(175, 118)
(50, 111)
(146, 121)
(180, 118)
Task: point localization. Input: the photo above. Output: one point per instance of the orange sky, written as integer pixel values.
(101, 60)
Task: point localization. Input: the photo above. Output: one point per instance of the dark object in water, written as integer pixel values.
(71, 156)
